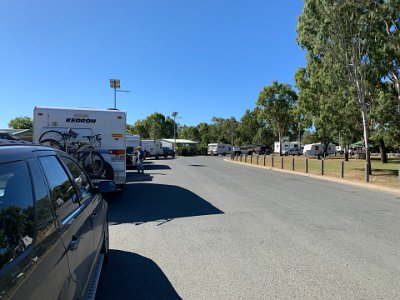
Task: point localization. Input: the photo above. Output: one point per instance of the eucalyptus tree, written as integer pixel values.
(343, 32)
(275, 105)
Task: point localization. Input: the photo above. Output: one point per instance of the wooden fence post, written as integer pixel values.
(306, 165)
(282, 162)
(272, 161)
(292, 163)
(264, 159)
(342, 169)
(322, 166)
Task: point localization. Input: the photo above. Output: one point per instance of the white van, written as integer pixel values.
(219, 148)
(153, 148)
(96, 137)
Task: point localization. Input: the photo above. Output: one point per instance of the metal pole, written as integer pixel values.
(174, 135)
(115, 97)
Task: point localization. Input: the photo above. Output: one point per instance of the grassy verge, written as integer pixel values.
(382, 174)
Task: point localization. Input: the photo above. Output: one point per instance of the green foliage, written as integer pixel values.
(276, 104)
(21, 123)
(155, 126)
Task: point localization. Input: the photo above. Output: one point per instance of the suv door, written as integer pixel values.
(75, 226)
(33, 264)
(94, 204)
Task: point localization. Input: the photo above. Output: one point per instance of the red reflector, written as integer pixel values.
(119, 152)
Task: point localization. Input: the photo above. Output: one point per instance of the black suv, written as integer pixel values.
(53, 225)
(168, 151)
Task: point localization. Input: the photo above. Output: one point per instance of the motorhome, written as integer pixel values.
(153, 148)
(96, 137)
(318, 149)
(219, 149)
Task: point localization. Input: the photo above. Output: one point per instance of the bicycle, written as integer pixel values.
(92, 161)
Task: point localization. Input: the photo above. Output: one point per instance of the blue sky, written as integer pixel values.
(202, 58)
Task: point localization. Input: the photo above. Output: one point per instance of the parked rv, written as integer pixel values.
(153, 148)
(318, 149)
(219, 149)
(95, 137)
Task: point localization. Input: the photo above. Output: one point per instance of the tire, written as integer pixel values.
(51, 135)
(93, 163)
(52, 143)
(157, 156)
(109, 171)
(105, 248)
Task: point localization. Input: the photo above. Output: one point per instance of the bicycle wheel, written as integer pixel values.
(93, 163)
(52, 135)
(52, 143)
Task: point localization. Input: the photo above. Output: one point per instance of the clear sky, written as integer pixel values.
(202, 58)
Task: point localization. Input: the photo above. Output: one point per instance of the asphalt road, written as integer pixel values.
(203, 228)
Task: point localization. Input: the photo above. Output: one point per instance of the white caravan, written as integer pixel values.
(318, 148)
(286, 146)
(153, 148)
(95, 137)
(219, 148)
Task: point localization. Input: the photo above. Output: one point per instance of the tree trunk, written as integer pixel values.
(280, 143)
(382, 149)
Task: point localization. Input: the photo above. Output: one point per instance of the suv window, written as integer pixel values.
(63, 194)
(82, 182)
(16, 211)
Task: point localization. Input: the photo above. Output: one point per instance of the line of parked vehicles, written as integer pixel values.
(285, 148)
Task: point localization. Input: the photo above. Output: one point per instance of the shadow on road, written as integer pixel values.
(143, 202)
(132, 276)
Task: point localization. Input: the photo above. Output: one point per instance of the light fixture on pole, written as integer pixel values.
(174, 114)
(115, 84)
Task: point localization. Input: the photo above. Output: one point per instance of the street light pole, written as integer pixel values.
(115, 84)
(174, 114)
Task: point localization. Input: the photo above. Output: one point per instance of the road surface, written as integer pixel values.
(204, 228)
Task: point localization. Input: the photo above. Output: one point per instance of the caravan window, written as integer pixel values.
(316, 148)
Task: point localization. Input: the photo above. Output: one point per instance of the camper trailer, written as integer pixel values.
(96, 137)
(219, 149)
(292, 148)
(318, 149)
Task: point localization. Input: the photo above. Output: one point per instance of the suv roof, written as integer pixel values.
(12, 150)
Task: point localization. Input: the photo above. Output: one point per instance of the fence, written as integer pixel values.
(354, 170)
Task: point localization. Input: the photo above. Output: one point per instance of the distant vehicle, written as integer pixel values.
(153, 148)
(318, 149)
(286, 146)
(132, 144)
(263, 150)
(293, 151)
(219, 149)
(242, 150)
(6, 136)
(168, 151)
(54, 228)
(96, 137)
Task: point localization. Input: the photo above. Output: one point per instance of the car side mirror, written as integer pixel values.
(107, 186)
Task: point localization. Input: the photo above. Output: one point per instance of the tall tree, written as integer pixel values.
(275, 104)
(343, 32)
